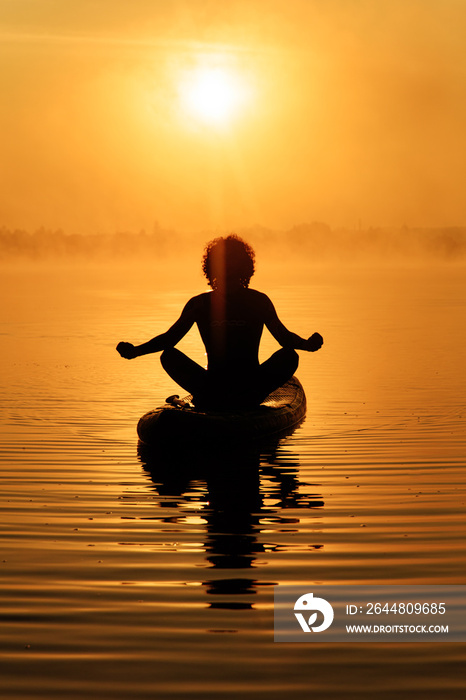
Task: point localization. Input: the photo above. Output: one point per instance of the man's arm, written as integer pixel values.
(286, 338)
(164, 340)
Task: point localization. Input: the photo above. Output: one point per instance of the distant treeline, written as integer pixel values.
(315, 241)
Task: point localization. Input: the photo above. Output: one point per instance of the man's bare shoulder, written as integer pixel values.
(199, 299)
(259, 299)
(196, 304)
(258, 295)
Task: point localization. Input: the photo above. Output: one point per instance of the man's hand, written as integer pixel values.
(127, 350)
(314, 343)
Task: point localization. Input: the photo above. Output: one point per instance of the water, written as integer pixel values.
(125, 579)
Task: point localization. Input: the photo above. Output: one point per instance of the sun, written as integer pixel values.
(214, 95)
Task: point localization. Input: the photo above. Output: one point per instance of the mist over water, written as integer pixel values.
(304, 244)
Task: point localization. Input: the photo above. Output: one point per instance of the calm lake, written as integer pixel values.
(126, 579)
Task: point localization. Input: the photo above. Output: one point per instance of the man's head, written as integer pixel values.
(228, 262)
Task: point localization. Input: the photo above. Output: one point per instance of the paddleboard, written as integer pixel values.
(179, 420)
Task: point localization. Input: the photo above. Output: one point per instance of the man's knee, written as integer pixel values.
(291, 358)
(282, 365)
(168, 357)
(294, 359)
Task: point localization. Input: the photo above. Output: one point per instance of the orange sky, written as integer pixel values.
(354, 111)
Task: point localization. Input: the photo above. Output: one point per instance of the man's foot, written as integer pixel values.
(179, 403)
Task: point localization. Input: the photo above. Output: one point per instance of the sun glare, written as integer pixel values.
(213, 95)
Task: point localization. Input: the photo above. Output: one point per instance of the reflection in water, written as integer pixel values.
(243, 486)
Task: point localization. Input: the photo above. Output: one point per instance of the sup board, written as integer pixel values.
(178, 419)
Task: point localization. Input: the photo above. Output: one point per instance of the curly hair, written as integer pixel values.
(228, 258)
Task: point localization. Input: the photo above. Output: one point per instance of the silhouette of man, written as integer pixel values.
(230, 320)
